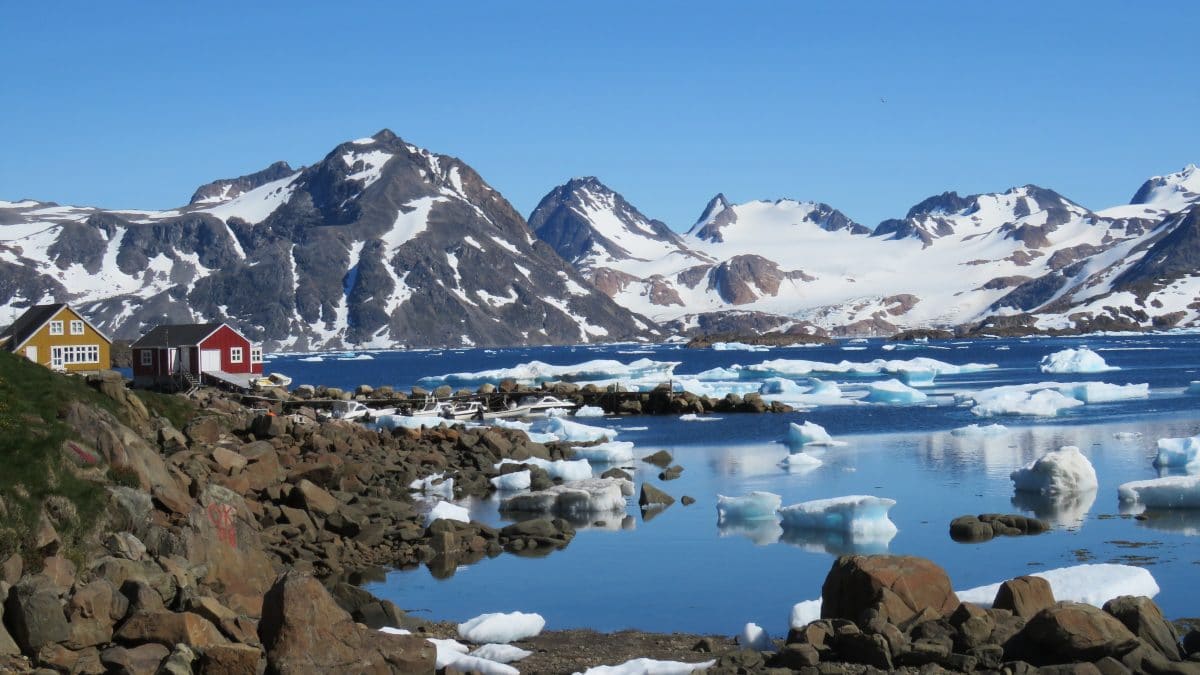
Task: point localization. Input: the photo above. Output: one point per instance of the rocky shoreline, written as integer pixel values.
(234, 540)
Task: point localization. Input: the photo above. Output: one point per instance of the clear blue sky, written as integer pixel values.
(133, 105)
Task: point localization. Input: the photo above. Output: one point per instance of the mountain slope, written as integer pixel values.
(378, 244)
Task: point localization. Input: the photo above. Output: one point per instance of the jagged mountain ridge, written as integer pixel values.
(951, 260)
(379, 244)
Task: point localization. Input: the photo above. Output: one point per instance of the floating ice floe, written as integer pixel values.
(537, 372)
(589, 411)
(1179, 453)
(1127, 435)
(809, 433)
(1103, 392)
(894, 392)
(1193, 387)
(1017, 400)
(501, 628)
(753, 506)
(434, 485)
(738, 347)
(977, 430)
(649, 667)
(574, 498)
(1063, 471)
(1082, 360)
(564, 469)
(578, 433)
(606, 453)
(755, 637)
(1170, 492)
(693, 417)
(501, 653)
(801, 460)
(793, 368)
(780, 385)
(1091, 584)
(859, 515)
(447, 511)
(512, 482)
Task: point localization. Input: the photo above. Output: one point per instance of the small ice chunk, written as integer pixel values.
(512, 424)
(753, 506)
(1170, 492)
(1179, 453)
(589, 411)
(1020, 401)
(737, 347)
(650, 667)
(1058, 472)
(859, 515)
(779, 385)
(448, 651)
(1127, 435)
(805, 612)
(512, 482)
(755, 637)
(574, 498)
(1082, 360)
(565, 469)
(894, 392)
(801, 460)
(395, 631)
(578, 433)
(466, 663)
(918, 377)
(693, 417)
(501, 653)
(606, 453)
(975, 430)
(434, 485)
(808, 433)
(447, 511)
(501, 628)
(1093, 584)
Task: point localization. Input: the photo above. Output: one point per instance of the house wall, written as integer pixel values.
(44, 341)
(223, 339)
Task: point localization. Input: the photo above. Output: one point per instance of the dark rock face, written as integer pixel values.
(1174, 254)
(1070, 632)
(1144, 619)
(228, 188)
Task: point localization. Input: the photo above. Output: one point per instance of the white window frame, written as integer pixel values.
(235, 354)
(79, 354)
(56, 327)
(76, 327)
(256, 355)
(147, 357)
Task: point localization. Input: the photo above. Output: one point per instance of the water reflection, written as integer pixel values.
(836, 542)
(1183, 521)
(1066, 511)
(761, 532)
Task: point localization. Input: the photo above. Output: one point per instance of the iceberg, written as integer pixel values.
(589, 411)
(578, 498)
(693, 417)
(501, 628)
(1059, 472)
(859, 515)
(501, 653)
(563, 469)
(650, 667)
(537, 372)
(801, 460)
(578, 433)
(780, 385)
(447, 511)
(793, 368)
(754, 637)
(808, 433)
(1082, 360)
(894, 392)
(753, 506)
(1016, 400)
(1093, 584)
(512, 482)
(1179, 453)
(1170, 492)
(976, 430)
(606, 453)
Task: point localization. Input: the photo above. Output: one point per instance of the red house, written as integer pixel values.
(183, 354)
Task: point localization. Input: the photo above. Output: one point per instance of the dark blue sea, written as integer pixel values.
(681, 572)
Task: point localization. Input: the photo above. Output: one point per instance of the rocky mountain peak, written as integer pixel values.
(226, 189)
(1172, 190)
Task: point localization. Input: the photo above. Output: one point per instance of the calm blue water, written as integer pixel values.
(680, 572)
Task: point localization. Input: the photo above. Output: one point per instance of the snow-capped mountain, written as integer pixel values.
(381, 243)
(952, 260)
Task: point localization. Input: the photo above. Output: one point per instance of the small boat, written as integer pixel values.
(512, 410)
(544, 404)
(429, 408)
(461, 411)
(279, 379)
(354, 410)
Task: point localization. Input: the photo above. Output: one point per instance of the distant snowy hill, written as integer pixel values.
(381, 243)
(952, 260)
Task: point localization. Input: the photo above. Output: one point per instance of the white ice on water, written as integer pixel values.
(693, 417)
(894, 392)
(802, 368)
(1019, 400)
(575, 432)
(754, 506)
(537, 372)
(512, 482)
(862, 516)
(801, 460)
(1169, 492)
(434, 485)
(1082, 360)
(447, 511)
(589, 411)
(808, 433)
(976, 430)
(755, 637)
(574, 498)
(565, 469)
(606, 453)
(1063, 471)
(738, 347)
(1179, 453)
(649, 667)
(501, 628)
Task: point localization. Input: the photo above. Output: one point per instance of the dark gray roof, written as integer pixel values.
(176, 335)
(28, 323)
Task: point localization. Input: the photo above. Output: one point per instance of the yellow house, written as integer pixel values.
(59, 338)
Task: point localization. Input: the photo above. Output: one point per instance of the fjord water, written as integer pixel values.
(678, 571)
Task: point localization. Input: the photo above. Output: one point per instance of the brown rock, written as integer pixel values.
(1070, 632)
(223, 538)
(1144, 619)
(1024, 596)
(60, 572)
(314, 498)
(652, 497)
(233, 659)
(10, 570)
(899, 587)
(77, 662)
(169, 628)
(228, 460)
(203, 430)
(303, 630)
(45, 537)
(134, 660)
(35, 615)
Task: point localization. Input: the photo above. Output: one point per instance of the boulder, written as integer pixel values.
(169, 629)
(970, 529)
(651, 497)
(1144, 619)
(10, 569)
(1024, 596)
(661, 459)
(670, 473)
(222, 538)
(140, 659)
(35, 615)
(179, 662)
(1070, 632)
(203, 430)
(303, 630)
(268, 426)
(232, 659)
(898, 587)
(314, 499)
(228, 461)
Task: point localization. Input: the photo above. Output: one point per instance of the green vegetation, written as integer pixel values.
(176, 409)
(36, 473)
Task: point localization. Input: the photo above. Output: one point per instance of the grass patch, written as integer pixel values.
(178, 410)
(35, 470)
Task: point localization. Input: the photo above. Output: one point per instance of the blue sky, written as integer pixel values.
(133, 105)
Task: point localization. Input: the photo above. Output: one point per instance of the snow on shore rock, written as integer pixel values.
(894, 392)
(501, 653)
(1082, 360)
(1179, 453)
(649, 667)
(755, 637)
(578, 433)
(578, 498)
(754, 506)
(606, 453)
(513, 482)
(1059, 472)
(1170, 492)
(565, 469)
(447, 511)
(501, 628)
(862, 516)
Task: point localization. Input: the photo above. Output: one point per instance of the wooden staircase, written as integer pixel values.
(187, 383)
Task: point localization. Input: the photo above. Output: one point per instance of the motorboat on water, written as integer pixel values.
(451, 410)
(544, 404)
(355, 410)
